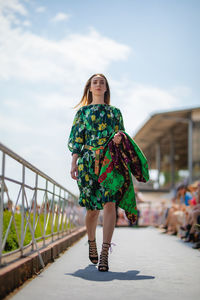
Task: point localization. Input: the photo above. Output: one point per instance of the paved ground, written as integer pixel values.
(144, 265)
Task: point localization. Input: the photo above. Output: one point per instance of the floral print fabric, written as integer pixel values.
(93, 125)
(115, 174)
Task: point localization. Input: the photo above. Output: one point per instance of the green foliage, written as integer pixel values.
(12, 242)
(167, 176)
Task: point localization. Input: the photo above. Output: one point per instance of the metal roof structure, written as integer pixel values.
(168, 139)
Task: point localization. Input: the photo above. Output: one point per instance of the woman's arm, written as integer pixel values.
(74, 167)
(77, 134)
(76, 141)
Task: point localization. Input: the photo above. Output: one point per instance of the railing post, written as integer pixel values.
(63, 212)
(45, 212)
(52, 219)
(1, 204)
(58, 214)
(35, 206)
(68, 212)
(22, 211)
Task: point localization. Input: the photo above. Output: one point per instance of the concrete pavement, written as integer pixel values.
(145, 264)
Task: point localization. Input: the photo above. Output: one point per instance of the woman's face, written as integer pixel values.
(98, 85)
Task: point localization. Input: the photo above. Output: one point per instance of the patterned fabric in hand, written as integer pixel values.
(117, 165)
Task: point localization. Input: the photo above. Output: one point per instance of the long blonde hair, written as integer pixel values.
(87, 95)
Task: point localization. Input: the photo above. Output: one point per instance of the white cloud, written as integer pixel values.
(13, 124)
(53, 101)
(27, 23)
(40, 9)
(29, 57)
(59, 17)
(138, 101)
(8, 11)
(12, 6)
(181, 91)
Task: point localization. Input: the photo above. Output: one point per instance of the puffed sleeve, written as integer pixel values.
(77, 135)
(119, 123)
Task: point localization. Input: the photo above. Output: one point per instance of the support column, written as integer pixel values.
(172, 166)
(190, 159)
(158, 163)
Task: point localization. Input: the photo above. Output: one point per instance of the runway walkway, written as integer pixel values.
(145, 265)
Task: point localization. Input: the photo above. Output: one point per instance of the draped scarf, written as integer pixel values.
(117, 163)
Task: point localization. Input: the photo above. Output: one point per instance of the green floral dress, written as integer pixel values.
(93, 125)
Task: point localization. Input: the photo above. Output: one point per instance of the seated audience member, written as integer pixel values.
(122, 220)
(178, 212)
(197, 231)
(184, 214)
(184, 195)
(163, 213)
(191, 226)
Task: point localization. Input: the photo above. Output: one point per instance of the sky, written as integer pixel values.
(147, 49)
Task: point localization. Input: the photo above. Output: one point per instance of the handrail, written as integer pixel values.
(18, 158)
(59, 210)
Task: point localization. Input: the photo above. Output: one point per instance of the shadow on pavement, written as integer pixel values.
(91, 273)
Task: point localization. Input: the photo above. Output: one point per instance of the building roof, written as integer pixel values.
(160, 128)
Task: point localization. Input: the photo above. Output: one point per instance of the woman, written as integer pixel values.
(93, 124)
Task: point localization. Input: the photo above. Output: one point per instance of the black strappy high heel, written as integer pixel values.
(93, 255)
(103, 264)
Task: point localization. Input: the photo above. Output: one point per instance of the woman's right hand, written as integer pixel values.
(117, 138)
(74, 171)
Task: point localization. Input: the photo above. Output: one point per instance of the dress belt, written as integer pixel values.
(97, 156)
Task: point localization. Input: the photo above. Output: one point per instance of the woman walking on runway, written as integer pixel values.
(95, 121)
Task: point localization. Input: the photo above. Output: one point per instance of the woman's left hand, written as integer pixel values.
(117, 138)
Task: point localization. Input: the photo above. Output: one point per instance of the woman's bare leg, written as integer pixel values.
(109, 221)
(91, 223)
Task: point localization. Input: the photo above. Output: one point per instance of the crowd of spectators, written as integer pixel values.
(182, 218)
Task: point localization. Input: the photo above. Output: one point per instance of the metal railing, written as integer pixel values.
(44, 206)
